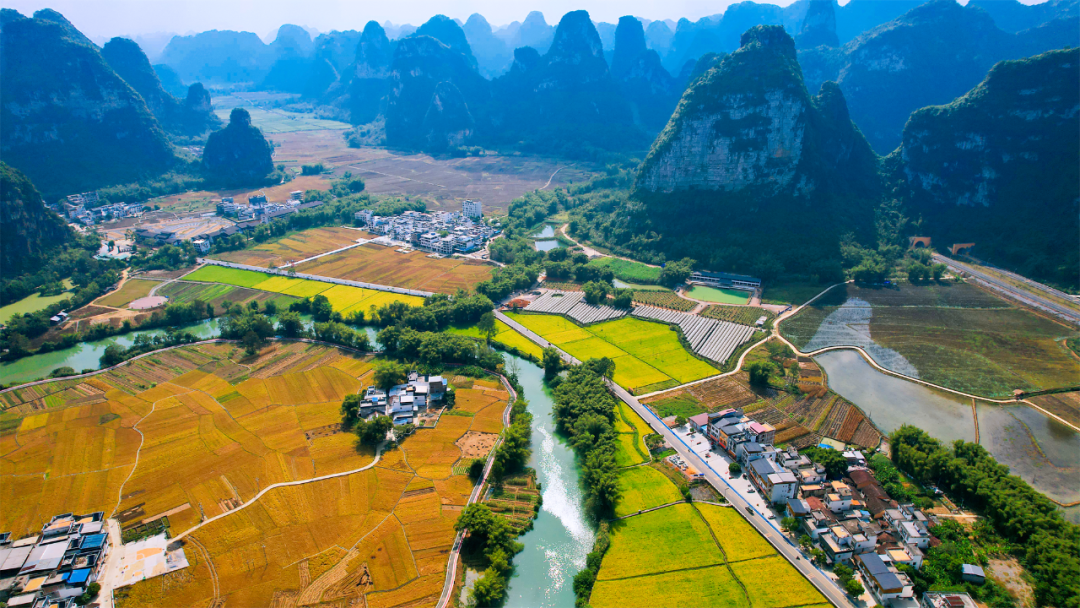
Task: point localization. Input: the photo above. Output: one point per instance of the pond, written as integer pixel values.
(1040, 450)
(547, 233)
(87, 355)
(562, 535)
(547, 245)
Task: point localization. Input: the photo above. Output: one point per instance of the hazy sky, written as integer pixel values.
(107, 18)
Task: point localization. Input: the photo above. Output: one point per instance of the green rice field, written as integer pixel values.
(644, 488)
(344, 298)
(33, 303)
(648, 356)
(719, 296)
(631, 272)
(955, 335)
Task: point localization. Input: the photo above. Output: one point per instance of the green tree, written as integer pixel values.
(734, 469)
(680, 420)
(487, 326)
(389, 374)
(373, 432)
(676, 273)
(552, 362)
(759, 372)
(789, 524)
(321, 308)
(853, 587)
(350, 410)
(290, 325)
(113, 355)
(476, 469)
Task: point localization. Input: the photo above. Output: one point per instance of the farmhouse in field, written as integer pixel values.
(404, 402)
(439, 232)
(56, 566)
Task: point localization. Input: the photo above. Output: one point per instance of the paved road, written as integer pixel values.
(784, 546)
(1027, 297)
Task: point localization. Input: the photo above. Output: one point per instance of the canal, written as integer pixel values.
(562, 535)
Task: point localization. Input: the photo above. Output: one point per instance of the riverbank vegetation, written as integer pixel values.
(1030, 525)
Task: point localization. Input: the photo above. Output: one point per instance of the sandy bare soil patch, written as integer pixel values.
(476, 445)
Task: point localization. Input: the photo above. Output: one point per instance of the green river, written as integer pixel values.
(556, 547)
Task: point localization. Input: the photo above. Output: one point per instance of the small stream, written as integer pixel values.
(562, 535)
(1040, 450)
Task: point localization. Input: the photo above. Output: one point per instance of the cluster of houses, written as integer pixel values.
(55, 567)
(439, 232)
(261, 211)
(404, 402)
(852, 519)
(83, 208)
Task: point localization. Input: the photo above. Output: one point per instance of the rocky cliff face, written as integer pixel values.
(737, 126)
(930, 55)
(66, 119)
(186, 118)
(1000, 166)
(420, 65)
(238, 154)
(819, 26)
(28, 229)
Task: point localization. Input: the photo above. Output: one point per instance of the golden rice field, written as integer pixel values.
(217, 427)
(414, 270)
(344, 298)
(691, 555)
(294, 247)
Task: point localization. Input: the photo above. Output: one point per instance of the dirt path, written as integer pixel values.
(551, 178)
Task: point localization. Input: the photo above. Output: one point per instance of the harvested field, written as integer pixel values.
(385, 266)
(476, 445)
(954, 335)
(377, 537)
(293, 248)
(131, 290)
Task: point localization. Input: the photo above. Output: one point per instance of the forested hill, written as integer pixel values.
(67, 119)
(28, 229)
(999, 167)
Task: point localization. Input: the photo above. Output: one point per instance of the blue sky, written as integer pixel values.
(106, 18)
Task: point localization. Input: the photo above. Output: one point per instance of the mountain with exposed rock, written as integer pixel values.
(930, 55)
(998, 166)
(642, 77)
(819, 26)
(67, 120)
(749, 149)
(371, 75)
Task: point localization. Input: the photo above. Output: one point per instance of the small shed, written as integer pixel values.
(972, 574)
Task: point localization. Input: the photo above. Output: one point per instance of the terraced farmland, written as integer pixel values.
(955, 335)
(344, 298)
(648, 356)
(294, 247)
(217, 426)
(415, 270)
